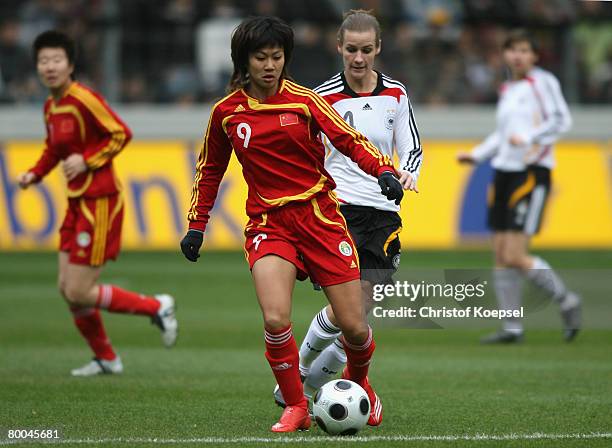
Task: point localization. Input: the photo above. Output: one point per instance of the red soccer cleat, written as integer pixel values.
(294, 418)
(376, 408)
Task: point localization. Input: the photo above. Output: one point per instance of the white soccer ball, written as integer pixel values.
(341, 407)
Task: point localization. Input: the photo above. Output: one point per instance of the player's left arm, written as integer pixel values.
(357, 147)
(115, 133)
(347, 140)
(407, 143)
(556, 118)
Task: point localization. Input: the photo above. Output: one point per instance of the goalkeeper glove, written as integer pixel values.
(391, 187)
(191, 243)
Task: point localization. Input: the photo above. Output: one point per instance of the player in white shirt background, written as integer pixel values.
(379, 108)
(531, 116)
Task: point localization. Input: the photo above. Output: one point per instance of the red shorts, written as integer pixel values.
(312, 235)
(91, 231)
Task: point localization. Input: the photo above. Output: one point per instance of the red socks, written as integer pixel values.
(114, 299)
(117, 300)
(89, 323)
(358, 358)
(283, 356)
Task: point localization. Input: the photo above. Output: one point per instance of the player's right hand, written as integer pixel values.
(408, 181)
(191, 243)
(465, 157)
(26, 179)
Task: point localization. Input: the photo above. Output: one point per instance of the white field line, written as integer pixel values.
(319, 439)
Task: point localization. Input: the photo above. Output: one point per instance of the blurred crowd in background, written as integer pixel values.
(177, 51)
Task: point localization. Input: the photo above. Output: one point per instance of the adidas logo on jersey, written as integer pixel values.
(239, 108)
(366, 107)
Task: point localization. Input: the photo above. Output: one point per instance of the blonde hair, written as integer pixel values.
(359, 20)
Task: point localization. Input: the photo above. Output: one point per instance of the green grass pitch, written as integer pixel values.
(439, 387)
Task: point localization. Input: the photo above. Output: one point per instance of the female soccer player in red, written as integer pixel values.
(295, 228)
(84, 135)
(377, 106)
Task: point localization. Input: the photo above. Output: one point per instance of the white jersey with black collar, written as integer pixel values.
(386, 118)
(534, 109)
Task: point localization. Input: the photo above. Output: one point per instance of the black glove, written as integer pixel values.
(391, 187)
(191, 243)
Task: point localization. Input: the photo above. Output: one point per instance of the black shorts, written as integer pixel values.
(376, 235)
(517, 200)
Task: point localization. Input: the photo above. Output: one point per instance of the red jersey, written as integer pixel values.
(82, 123)
(277, 143)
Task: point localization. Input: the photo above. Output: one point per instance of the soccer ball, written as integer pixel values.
(341, 407)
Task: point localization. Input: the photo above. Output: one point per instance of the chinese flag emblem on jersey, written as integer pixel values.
(288, 118)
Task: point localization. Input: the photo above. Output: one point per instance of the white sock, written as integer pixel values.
(326, 367)
(570, 301)
(508, 288)
(320, 334)
(545, 278)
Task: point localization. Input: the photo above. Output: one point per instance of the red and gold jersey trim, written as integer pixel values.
(296, 197)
